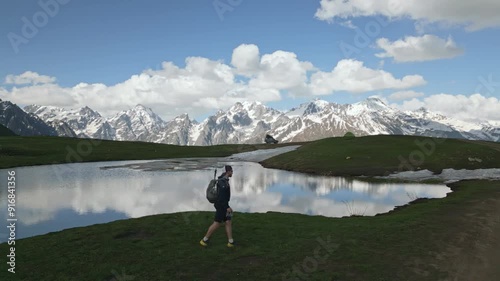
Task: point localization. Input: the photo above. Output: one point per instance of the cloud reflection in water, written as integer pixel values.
(147, 188)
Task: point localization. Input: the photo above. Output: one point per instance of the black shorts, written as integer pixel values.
(221, 214)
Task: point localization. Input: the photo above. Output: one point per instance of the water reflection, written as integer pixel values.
(56, 197)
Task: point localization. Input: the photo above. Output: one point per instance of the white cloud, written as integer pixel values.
(283, 71)
(352, 76)
(473, 15)
(48, 94)
(204, 85)
(348, 24)
(475, 108)
(239, 94)
(29, 77)
(280, 70)
(424, 48)
(246, 59)
(405, 95)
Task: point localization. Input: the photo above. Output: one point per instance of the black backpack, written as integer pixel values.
(212, 189)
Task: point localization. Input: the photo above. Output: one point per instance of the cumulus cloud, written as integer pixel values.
(29, 77)
(204, 85)
(352, 76)
(473, 15)
(474, 108)
(40, 94)
(405, 95)
(280, 70)
(246, 59)
(283, 71)
(201, 86)
(423, 48)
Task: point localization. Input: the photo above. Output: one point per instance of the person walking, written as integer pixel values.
(223, 213)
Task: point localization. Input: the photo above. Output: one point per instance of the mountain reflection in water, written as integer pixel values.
(56, 197)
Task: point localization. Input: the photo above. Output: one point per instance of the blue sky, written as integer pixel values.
(105, 43)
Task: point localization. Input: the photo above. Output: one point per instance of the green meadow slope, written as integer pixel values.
(454, 238)
(4, 131)
(27, 151)
(382, 155)
(372, 155)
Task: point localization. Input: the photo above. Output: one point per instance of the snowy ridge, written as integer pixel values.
(23, 123)
(249, 122)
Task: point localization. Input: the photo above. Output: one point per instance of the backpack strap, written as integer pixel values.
(215, 174)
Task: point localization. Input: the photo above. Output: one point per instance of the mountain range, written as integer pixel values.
(22, 123)
(246, 122)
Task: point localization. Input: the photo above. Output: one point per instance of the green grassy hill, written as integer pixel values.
(382, 155)
(27, 151)
(372, 155)
(4, 131)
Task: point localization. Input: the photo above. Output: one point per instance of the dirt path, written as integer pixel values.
(474, 253)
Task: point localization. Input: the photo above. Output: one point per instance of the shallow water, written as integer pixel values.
(447, 175)
(56, 197)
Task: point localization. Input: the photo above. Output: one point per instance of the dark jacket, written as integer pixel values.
(224, 192)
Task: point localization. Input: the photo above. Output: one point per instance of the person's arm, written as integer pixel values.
(227, 196)
(229, 210)
(223, 197)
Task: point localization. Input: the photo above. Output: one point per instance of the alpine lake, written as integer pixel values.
(55, 197)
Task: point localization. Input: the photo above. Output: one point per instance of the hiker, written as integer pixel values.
(223, 212)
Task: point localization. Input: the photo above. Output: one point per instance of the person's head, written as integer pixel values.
(229, 171)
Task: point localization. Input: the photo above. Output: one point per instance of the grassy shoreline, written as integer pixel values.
(390, 246)
(361, 156)
(429, 239)
(384, 155)
(31, 151)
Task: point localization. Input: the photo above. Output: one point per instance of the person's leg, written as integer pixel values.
(229, 230)
(212, 228)
(210, 231)
(219, 217)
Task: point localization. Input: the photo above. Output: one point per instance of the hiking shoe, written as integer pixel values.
(203, 243)
(230, 245)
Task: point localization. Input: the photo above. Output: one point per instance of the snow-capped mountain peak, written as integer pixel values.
(76, 120)
(374, 103)
(246, 105)
(88, 111)
(140, 110)
(182, 118)
(313, 107)
(140, 123)
(426, 114)
(320, 103)
(23, 123)
(243, 113)
(249, 122)
(368, 105)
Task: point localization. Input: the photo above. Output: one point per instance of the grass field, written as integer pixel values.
(28, 151)
(4, 131)
(409, 244)
(382, 155)
(454, 238)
